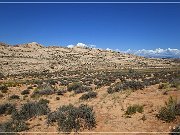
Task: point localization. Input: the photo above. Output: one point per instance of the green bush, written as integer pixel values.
(88, 95)
(133, 109)
(7, 108)
(70, 118)
(31, 109)
(169, 111)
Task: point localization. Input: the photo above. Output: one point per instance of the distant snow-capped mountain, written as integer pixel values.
(157, 53)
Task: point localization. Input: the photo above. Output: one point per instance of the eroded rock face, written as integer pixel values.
(34, 57)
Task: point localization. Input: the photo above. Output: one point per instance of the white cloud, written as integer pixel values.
(82, 45)
(70, 46)
(156, 53)
(108, 49)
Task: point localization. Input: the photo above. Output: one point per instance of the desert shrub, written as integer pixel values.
(43, 90)
(2, 76)
(175, 83)
(60, 92)
(134, 85)
(88, 95)
(3, 88)
(175, 131)
(82, 89)
(1, 95)
(78, 88)
(163, 86)
(43, 101)
(30, 87)
(169, 111)
(11, 84)
(74, 86)
(57, 98)
(47, 90)
(25, 92)
(14, 97)
(7, 108)
(52, 82)
(13, 126)
(115, 88)
(133, 109)
(31, 109)
(70, 118)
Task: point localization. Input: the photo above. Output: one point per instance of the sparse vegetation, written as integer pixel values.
(71, 118)
(88, 95)
(14, 97)
(78, 88)
(31, 109)
(3, 88)
(13, 126)
(6, 108)
(169, 111)
(133, 109)
(25, 92)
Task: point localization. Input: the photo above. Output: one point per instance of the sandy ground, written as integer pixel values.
(109, 110)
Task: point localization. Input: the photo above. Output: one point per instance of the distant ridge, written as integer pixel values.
(34, 57)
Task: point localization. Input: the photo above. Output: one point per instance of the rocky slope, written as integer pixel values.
(34, 57)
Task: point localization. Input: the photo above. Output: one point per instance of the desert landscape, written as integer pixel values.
(86, 90)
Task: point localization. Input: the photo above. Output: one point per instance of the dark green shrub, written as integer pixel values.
(175, 131)
(169, 111)
(133, 109)
(74, 86)
(88, 95)
(31, 109)
(25, 92)
(70, 118)
(3, 88)
(7, 108)
(13, 126)
(14, 97)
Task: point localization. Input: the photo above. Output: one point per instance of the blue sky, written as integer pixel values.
(116, 26)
